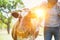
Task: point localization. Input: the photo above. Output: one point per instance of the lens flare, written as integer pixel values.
(39, 12)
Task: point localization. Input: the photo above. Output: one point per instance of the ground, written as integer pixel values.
(5, 36)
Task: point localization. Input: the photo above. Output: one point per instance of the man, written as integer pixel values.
(51, 21)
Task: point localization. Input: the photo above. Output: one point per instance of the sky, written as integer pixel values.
(32, 3)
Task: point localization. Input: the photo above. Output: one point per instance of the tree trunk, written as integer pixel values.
(8, 28)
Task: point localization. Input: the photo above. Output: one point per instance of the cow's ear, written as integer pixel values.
(15, 14)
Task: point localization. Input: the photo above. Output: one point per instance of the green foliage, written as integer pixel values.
(9, 5)
(3, 3)
(4, 26)
(0, 24)
(5, 20)
(20, 1)
(0, 15)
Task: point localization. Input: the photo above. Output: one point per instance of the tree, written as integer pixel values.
(6, 6)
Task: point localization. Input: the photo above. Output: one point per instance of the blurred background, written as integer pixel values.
(7, 20)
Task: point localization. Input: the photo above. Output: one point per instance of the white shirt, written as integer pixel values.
(53, 20)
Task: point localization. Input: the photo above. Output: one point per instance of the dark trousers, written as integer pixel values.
(49, 31)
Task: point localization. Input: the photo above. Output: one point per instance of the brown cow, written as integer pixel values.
(24, 28)
(14, 33)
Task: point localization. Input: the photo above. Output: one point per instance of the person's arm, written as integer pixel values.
(59, 12)
(58, 8)
(40, 21)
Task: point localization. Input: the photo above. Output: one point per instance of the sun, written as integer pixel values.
(40, 12)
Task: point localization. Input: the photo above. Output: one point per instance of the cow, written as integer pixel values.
(25, 27)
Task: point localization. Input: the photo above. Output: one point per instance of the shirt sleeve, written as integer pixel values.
(58, 8)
